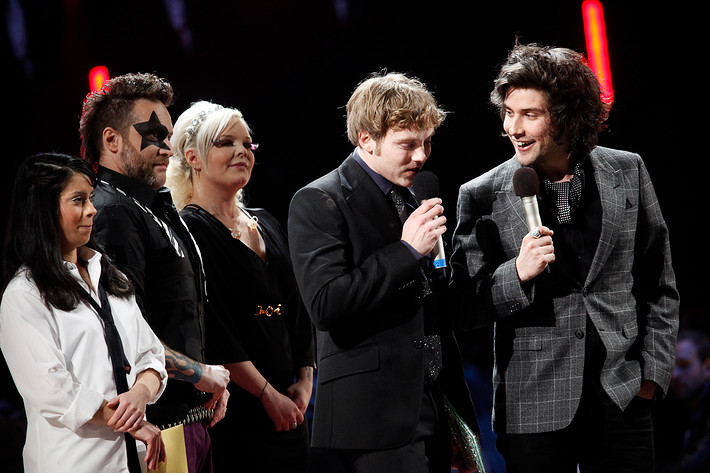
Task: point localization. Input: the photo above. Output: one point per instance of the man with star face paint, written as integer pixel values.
(125, 129)
(585, 306)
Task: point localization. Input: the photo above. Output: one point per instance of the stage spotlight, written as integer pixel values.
(97, 76)
(597, 50)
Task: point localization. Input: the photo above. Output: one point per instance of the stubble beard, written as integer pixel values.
(137, 168)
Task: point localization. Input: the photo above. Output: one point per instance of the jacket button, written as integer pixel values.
(418, 344)
(579, 334)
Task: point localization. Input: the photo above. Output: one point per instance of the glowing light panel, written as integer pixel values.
(597, 50)
(97, 76)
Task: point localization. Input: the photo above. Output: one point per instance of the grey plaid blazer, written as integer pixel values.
(629, 294)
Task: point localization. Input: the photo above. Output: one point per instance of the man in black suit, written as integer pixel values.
(386, 352)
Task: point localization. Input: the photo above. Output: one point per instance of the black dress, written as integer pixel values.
(254, 313)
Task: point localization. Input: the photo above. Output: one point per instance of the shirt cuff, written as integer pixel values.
(82, 409)
(160, 369)
(415, 253)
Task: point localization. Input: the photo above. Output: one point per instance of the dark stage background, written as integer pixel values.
(290, 66)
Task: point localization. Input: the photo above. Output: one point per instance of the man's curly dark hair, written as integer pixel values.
(574, 96)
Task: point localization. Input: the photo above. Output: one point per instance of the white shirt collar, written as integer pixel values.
(93, 260)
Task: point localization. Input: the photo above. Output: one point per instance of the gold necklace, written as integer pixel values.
(251, 225)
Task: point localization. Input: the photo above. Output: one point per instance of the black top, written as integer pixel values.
(256, 313)
(575, 247)
(139, 229)
(576, 242)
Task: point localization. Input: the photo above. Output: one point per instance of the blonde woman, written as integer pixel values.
(256, 324)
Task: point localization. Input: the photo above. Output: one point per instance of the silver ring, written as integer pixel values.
(294, 425)
(535, 233)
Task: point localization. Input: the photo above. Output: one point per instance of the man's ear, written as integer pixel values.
(366, 142)
(112, 139)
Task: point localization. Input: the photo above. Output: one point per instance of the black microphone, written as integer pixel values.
(526, 186)
(426, 186)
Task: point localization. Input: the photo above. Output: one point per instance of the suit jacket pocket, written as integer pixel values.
(630, 330)
(347, 363)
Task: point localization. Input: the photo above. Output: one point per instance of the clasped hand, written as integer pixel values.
(285, 412)
(215, 379)
(129, 410)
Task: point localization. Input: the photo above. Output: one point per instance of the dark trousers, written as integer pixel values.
(600, 439)
(428, 451)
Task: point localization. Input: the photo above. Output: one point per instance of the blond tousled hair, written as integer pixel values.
(391, 101)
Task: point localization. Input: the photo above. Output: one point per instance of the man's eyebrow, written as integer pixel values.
(528, 110)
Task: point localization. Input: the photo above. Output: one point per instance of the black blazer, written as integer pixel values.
(361, 286)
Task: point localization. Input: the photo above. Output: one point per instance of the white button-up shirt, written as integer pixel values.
(60, 364)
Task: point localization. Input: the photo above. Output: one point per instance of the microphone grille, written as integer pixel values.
(425, 185)
(526, 182)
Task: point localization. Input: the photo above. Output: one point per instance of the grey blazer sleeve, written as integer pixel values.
(484, 252)
(654, 285)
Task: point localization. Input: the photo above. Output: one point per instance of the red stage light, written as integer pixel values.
(597, 50)
(97, 76)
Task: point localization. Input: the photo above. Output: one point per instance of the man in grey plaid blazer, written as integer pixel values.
(585, 307)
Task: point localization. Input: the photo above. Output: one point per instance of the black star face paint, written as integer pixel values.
(152, 133)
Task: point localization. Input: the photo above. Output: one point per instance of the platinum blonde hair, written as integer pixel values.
(196, 129)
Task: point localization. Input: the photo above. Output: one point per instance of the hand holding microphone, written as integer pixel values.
(426, 186)
(536, 250)
(424, 227)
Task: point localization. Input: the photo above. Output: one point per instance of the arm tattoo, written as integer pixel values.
(181, 367)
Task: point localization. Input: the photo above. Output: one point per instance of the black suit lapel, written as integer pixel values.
(367, 200)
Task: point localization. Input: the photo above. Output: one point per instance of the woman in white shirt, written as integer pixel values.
(54, 340)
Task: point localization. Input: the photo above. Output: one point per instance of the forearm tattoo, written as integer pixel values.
(181, 367)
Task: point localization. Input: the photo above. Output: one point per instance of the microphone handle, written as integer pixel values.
(532, 212)
(438, 254)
